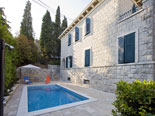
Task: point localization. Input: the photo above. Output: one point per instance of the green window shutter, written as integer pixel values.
(71, 61)
(69, 39)
(76, 33)
(121, 50)
(66, 62)
(87, 57)
(87, 25)
(129, 48)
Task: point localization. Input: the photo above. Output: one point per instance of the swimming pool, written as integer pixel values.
(40, 99)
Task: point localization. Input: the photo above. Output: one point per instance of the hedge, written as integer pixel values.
(135, 99)
(10, 56)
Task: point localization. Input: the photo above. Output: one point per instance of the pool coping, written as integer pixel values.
(23, 105)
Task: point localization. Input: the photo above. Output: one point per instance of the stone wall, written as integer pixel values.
(154, 31)
(55, 70)
(35, 75)
(105, 78)
(39, 75)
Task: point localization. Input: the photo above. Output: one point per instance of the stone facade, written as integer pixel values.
(106, 28)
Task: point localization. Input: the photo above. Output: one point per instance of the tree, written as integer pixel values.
(27, 50)
(57, 32)
(25, 41)
(64, 24)
(50, 31)
(46, 37)
(26, 24)
(57, 22)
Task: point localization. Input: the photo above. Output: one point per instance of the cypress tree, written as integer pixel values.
(26, 24)
(64, 24)
(57, 32)
(57, 22)
(46, 37)
(27, 30)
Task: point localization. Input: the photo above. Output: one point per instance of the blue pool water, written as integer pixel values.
(41, 97)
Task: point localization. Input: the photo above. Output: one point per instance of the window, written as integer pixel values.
(87, 26)
(76, 33)
(87, 58)
(126, 51)
(69, 62)
(134, 9)
(69, 39)
(66, 62)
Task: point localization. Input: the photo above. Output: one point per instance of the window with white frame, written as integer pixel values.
(76, 33)
(69, 62)
(87, 58)
(126, 49)
(88, 26)
(69, 39)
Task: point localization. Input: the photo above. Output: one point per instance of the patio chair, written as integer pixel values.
(48, 79)
(26, 79)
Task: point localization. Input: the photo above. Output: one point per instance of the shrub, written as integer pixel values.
(10, 55)
(135, 99)
(55, 62)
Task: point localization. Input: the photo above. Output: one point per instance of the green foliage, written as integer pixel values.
(42, 59)
(135, 99)
(10, 56)
(57, 32)
(26, 24)
(10, 68)
(64, 24)
(55, 62)
(26, 47)
(27, 51)
(3, 19)
(57, 21)
(49, 42)
(47, 37)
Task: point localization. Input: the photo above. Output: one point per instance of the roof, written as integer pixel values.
(82, 15)
(30, 66)
(138, 2)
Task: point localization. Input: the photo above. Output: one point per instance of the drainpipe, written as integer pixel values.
(1, 76)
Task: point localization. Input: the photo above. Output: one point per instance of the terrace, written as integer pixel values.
(130, 13)
(126, 11)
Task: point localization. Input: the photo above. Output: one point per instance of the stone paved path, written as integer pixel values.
(12, 106)
(101, 107)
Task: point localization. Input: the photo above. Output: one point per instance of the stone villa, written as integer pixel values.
(111, 40)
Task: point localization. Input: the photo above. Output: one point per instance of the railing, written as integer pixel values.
(129, 13)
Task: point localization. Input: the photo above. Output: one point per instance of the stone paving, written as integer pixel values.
(12, 106)
(101, 107)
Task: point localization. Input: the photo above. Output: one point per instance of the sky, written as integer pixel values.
(14, 10)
